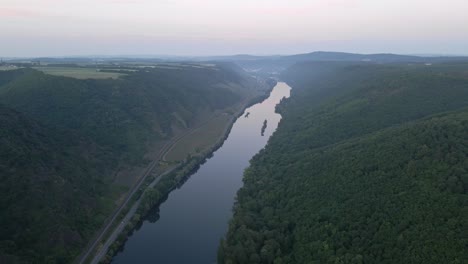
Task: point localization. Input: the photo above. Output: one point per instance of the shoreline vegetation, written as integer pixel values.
(368, 165)
(151, 198)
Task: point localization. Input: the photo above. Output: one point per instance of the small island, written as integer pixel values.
(264, 127)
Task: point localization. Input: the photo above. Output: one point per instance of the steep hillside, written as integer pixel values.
(63, 140)
(367, 166)
(126, 114)
(339, 101)
(52, 188)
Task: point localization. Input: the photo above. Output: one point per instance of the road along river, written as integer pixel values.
(188, 226)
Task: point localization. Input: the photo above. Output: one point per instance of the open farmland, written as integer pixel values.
(7, 67)
(79, 73)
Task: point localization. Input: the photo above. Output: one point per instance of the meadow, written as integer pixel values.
(78, 72)
(201, 139)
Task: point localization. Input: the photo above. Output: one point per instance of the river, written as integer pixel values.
(188, 226)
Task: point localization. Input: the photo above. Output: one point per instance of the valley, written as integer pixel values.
(116, 158)
(109, 135)
(233, 132)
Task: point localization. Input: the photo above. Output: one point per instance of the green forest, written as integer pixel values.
(369, 165)
(62, 140)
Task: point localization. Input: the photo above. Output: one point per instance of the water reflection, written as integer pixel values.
(188, 226)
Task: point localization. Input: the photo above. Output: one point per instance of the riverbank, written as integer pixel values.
(187, 227)
(155, 195)
(215, 127)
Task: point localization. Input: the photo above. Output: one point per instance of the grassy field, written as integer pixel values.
(8, 68)
(78, 73)
(199, 140)
(176, 65)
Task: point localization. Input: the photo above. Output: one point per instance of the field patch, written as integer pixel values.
(79, 73)
(8, 68)
(201, 139)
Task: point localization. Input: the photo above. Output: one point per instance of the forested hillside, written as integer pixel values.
(63, 140)
(52, 190)
(276, 63)
(368, 165)
(129, 113)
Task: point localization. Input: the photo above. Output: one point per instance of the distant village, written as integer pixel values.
(9, 65)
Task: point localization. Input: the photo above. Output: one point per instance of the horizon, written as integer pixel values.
(53, 28)
(175, 56)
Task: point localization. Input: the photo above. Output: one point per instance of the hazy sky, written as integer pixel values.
(214, 27)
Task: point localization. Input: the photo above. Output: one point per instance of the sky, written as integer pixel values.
(222, 27)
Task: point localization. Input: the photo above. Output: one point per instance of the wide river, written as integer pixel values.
(195, 217)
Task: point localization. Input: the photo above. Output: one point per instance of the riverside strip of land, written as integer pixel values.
(195, 215)
(100, 245)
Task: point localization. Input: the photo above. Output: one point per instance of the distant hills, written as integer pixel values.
(275, 64)
(251, 60)
(336, 56)
(318, 56)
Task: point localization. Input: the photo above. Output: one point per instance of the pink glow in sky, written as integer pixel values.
(213, 27)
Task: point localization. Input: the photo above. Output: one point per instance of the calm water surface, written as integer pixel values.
(195, 217)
